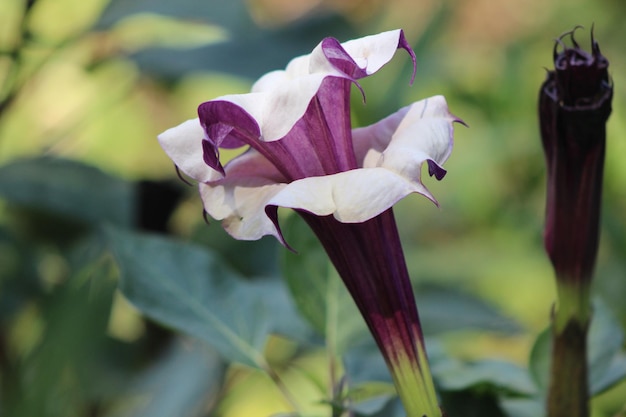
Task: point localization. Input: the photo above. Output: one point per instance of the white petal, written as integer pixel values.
(351, 197)
(183, 144)
(407, 138)
(239, 199)
(374, 51)
(280, 98)
(241, 206)
(277, 111)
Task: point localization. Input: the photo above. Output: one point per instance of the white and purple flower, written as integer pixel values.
(304, 154)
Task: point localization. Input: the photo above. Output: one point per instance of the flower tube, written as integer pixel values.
(302, 153)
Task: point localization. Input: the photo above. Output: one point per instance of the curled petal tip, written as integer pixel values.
(180, 175)
(205, 217)
(459, 121)
(272, 213)
(595, 47)
(571, 35)
(435, 170)
(404, 44)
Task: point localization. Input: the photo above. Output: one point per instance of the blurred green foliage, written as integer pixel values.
(85, 87)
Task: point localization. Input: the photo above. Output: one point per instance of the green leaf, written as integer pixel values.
(471, 404)
(187, 288)
(318, 291)
(262, 256)
(68, 188)
(444, 309)
(269, 49)
(539, 364)
(606, 360)
(523, 407)
(186, 377)
(71, 344)
(369, 398)
(485, 375)
(143, 30)
(367, 353)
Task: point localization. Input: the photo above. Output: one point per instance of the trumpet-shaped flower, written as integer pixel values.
(302, 153)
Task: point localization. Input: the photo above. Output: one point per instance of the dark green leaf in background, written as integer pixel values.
(318, 291)
(185, 379)
(539, 364)
(248, 51)
(58, 373)
(249, 258)
(68, 188)
(369, 398)
(485, 375)
(446, 309)
(187, 288)
(523, 407)
(607, 361)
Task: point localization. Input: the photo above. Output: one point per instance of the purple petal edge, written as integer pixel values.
(436, 170)
(211, 156)
(404, 44)
(272, 214)
(341, 60)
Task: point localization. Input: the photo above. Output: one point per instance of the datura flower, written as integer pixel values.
(302, 153)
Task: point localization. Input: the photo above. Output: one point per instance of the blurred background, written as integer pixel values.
(96, 81)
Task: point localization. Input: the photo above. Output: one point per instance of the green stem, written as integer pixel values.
(568, 394)
(281, 387)
(332, 308)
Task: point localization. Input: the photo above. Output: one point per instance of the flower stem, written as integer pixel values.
(568, 393)
(278, 382)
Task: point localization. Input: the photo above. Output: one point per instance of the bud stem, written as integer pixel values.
(568, 394)
(573, 304)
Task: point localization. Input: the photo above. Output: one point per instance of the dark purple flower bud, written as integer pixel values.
(574, 105)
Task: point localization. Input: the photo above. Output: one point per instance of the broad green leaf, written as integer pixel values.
(445, 309)
(261, 256)
(68, 188)
(72, 320)
(613, 374)
(470, 403)
(539, 364)
(485, 375)
(392, 408)
(318, 291)
(247, 43)
(606, 360)
(368, 398)
(523, 407)
(187, 288)
(143, 30)
(186, 377)
(367, 353)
